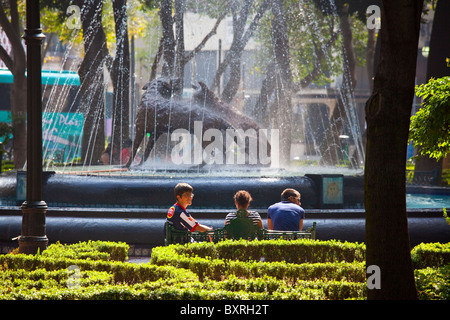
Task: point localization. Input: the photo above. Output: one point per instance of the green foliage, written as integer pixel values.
(296, 251)
(431, 255)
(233, 270)
(275, 258)
(432, 283)
(447, 218)
(91, 250)
(430, 126)
(315, 46)
(6, 132)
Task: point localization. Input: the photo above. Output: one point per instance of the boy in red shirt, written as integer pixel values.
(178, 217)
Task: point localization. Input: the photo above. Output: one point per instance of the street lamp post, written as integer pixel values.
(34, 209)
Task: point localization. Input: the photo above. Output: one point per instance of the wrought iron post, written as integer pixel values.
(34, 209)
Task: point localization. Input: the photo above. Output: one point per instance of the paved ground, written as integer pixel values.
(138, 259)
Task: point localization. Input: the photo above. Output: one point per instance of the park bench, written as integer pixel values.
(239, 228)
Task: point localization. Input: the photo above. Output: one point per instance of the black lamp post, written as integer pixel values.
(33, 237)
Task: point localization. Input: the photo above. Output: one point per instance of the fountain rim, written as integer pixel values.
(229, 171)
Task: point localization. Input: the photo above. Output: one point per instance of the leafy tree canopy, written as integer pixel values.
(55, 17)
(430, 126)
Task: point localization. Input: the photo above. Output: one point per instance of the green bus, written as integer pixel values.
(62, 123)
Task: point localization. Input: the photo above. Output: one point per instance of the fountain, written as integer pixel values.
(196, 138)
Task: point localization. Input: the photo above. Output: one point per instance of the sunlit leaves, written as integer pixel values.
(430, 126)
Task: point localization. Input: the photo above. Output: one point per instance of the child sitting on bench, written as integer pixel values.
(242, 201)
(178, 217)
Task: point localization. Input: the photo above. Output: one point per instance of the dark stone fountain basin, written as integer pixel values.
(133, 208)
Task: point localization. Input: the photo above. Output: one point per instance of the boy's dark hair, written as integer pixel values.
(182, 188)
(289, 193)
(242, 198)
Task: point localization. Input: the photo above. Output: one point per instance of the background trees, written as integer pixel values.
(437, 68)
(296, 58)
(105, 43)
(12, 24)
(430, 126)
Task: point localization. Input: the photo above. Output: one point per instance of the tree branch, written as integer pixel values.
(213, 31)
(239, 44)
(157, 58)
(8, 28)
(6, 58)
(320, 54)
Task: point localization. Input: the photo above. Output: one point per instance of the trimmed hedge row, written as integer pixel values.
(91, 250)
(433, 283)
(430, 255)
(334, 290)
(293, 251)
(43, 284)
(122, 272)
(300, 259)
(142, 292)
(263, 270)
(218, 269)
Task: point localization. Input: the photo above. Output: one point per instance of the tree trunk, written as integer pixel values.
(18, 114)
(437, 68)
(121, 76)
(331, 148)
(439, 42)
(92, 82)
(168, 40)
(388, 113)
(232, 86)
(283, 93)
(179, 52)
(262, 104)
(236, 48)
(370, 55)
(16, 63)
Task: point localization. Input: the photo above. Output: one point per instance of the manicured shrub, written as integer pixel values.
(121, 272)
(236, 270)
(293, 272)
(294, 251)
(433, 283)
(91, 250)
(256, 258)
(431, 255)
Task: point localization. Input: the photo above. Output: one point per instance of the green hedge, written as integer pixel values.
(122, 272)
(218, 269)
(141, 292)
(433, 283)
(237, 270)
(268, 285)
(91, 250)
(301, 259)
(430, 255)
(293, 251)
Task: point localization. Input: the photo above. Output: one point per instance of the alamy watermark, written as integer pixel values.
(211, 147)
(74, 279)
(74, 20)
(374, 17)
(374, 280)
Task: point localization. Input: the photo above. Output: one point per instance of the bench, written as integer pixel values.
(239, 228)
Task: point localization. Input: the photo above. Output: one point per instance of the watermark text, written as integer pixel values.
(235, 146)
(374, 17)
(374, 280)
(74, 20)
